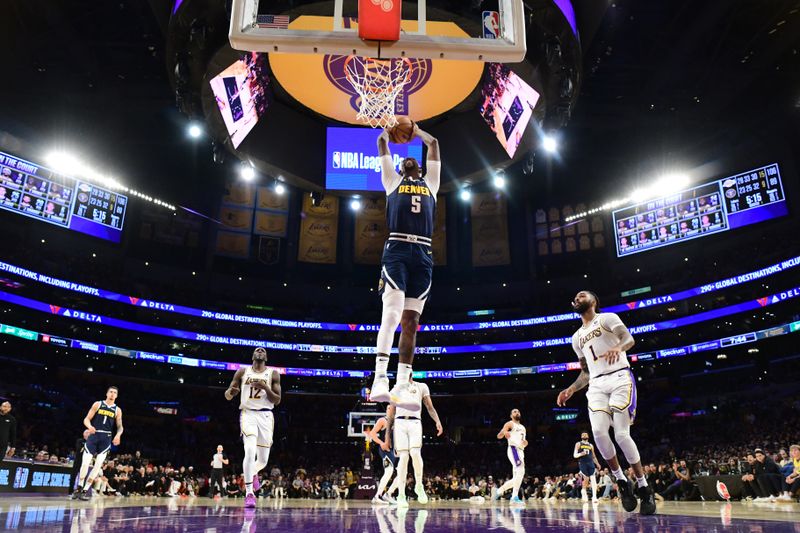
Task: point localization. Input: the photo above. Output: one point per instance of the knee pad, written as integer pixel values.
(390, 318)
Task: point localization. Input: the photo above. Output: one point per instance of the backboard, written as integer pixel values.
(500, 35)
(359, 423)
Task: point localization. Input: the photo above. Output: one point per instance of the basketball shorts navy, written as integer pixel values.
(407, 267)
(587, 468)
(387, 457)
(98, 443)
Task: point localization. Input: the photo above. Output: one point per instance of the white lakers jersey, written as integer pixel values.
(417, 391)
(595, 339)
(253, 398)
(517, 435)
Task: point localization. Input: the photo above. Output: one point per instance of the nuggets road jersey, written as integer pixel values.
(253, 398)
(104, 419)
(418, 391)
(584, 447)
(593, 340)
(517, 435)
(410, 209)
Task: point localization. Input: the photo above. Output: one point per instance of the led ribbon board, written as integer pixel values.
(466, 326)
(758, 303)
(743, 338)
(37, 192)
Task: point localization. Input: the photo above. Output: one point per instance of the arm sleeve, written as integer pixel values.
(611, 321)
(433, 177)
(576, 347)
(389, 176)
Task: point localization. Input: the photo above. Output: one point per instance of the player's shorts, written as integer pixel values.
(258, 423)
(407, 267)
(613, 392)
(98, 443)
(407, 434)
(586, 467)
(387, 458)
(516, 456)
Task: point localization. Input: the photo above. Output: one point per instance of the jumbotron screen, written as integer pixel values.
(34, 191)
(352, 162)
(722, 205)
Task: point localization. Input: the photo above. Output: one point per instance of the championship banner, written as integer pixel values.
(269, 250)
(272, 212)
(232, 244)
(318, 231)
(371, 231)
(439, 245)
(489, 230)
(236, 219)
(239, 193)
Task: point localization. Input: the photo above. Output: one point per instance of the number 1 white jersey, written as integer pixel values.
(253, 398)
(593, 340)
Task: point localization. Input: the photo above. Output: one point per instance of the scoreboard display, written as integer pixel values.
(718, 206)
(37, 192)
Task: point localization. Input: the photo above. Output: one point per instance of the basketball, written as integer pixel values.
(403, 131)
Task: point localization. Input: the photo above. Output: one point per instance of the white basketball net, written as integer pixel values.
(378, 83)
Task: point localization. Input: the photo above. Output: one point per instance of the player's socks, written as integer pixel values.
(641, 481)
(381, 366)
(618, 474)
(248, 488)
(403, 373)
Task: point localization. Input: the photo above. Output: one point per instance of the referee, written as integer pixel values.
(217, 462)
(8, 431)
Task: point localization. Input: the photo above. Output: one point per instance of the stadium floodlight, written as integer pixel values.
(355, 204)
(465, 194)
(499, 180)
(280, 188)
(246, 171)
(550, 144)
(194, 130)
(68, 164)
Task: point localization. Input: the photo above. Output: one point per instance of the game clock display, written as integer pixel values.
(36, 192)
(728, 203)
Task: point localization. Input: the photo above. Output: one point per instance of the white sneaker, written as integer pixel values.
(595, 500)
(379, 501)
(784, 498)
(388, 499)
(379, 392)
(401, 501)
(403, 399)
(421, 496)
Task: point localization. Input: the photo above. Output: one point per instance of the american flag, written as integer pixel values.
(272, 21)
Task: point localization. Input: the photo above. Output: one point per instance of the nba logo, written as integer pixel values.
(337, 162)
(491, 25)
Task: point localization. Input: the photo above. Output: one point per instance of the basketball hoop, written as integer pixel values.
(378, 82)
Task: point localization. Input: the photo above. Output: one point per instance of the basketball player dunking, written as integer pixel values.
(408, 439)
(261, 392)
(514, 433)
(99, 422)
(600, 345)
(588, 465)
(407, 262)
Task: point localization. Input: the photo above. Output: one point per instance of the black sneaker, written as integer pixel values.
(629, 502)
(85, 495)
(76, 494)
(648, 500)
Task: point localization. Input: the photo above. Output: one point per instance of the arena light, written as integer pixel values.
(70, 165)
(499, 180)
(194, 130)
(465, 194)
(246, 171)
(355, 204)
(667, 184)
(280, 188)
(549, 144)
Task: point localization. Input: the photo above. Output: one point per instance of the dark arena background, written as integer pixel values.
(169, 202)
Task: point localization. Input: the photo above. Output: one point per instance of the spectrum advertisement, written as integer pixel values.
(352, 162)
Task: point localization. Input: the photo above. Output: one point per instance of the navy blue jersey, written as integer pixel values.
(410, 209)
(105, 417)
(589, 457)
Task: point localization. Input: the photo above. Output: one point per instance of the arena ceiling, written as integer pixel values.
(663, 80)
